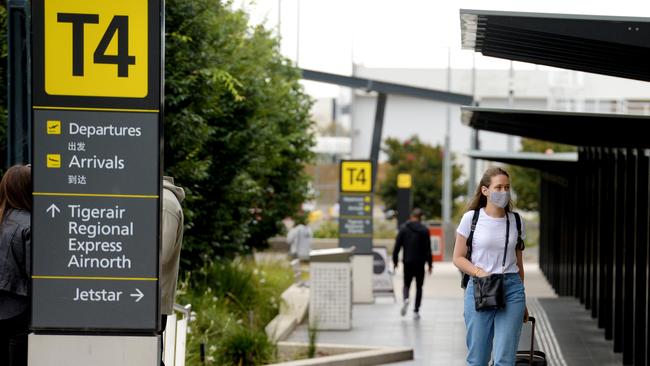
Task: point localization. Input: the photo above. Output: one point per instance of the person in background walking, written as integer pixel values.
(299, 238)
(414, 237)
(15, 257)
(493, 332)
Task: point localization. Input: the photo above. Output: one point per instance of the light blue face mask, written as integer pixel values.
(500, 199)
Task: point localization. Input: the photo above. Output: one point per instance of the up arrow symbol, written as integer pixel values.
(139, 295)
(53, 210)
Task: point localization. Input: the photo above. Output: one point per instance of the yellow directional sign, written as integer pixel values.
(404, 181)
(96, 48)
(356, 176)
(96, 107)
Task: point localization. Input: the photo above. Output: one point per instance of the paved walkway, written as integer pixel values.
(564, 331)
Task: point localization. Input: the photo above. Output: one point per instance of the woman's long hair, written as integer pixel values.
(16, 190)
(479, 200)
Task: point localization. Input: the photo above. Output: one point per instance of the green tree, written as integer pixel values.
(424, 162)
(237, 128)
(525, 181)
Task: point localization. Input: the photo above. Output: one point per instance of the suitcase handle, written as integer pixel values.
(532, 339)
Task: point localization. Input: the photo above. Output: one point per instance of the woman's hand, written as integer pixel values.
(481, 273)
(526, 314)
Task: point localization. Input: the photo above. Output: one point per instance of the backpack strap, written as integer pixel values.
(470, 238)
(464, 276)
(520, 242)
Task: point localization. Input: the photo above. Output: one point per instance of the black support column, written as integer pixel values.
(18, 149)
(595, 241)
(640, 263)
(628, 256)
(606, 233)
(619, 245)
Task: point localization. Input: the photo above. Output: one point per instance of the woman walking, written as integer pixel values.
(15, 252)
(493, 327)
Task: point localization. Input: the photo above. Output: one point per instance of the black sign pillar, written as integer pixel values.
(97, 134)
(355, 224)
(355, 205)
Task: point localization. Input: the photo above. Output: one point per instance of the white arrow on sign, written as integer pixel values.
(53, 210)
(139, 295)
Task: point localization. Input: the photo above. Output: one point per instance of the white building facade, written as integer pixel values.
(532, 88)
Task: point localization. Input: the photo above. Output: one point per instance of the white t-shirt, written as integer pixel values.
(489, 241)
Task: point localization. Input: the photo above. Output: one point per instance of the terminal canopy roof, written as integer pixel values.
(616, 46)
(546, 162)
(573, 128)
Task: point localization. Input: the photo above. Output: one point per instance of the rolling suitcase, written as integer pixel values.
(531, 357)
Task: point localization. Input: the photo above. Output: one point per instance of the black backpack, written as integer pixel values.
(520, 242)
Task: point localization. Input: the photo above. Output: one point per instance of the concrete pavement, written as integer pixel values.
(438, 338)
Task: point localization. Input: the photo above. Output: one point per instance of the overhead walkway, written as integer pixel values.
(608, 45)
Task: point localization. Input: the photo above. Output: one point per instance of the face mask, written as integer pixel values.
(500, 199)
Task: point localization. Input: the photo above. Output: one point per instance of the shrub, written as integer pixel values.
(381, 229)
(384, 229)
(233, 301)
(327, 229)
(244, 346)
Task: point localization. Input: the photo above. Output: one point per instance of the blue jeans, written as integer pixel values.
(495, 332)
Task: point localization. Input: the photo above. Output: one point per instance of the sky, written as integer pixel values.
(331, 35)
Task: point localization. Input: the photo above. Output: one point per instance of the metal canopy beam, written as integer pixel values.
(387, 88)
(377, 132)
(616, 46)
(580, 129)
(544, 162)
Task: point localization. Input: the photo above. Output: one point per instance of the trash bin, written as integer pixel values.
(437, 235)
(330, 299)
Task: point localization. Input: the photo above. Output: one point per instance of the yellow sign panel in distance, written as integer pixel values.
(404, 181)
(96, 48)
(356, 176)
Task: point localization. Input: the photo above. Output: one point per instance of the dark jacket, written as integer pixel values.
(15, 252)
(414, 238)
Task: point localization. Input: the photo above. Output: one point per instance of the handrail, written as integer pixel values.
(186, 310)
(175, 338)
